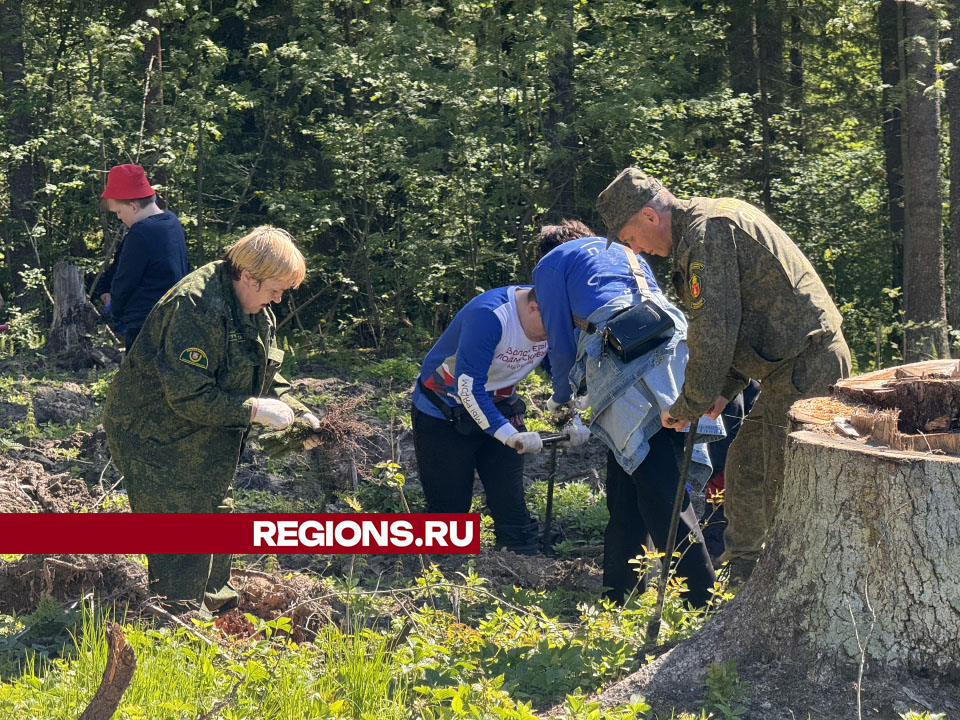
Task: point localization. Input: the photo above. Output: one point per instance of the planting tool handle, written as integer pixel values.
(653, 629)
(553, 441)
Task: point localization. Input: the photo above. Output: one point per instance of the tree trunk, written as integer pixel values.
(769, 96)
(19, 122)
(741, 47)
(860, 573)
(925, 306)
(796, 73)
(559, 128)
(755, 43)
(953, 112)
(153, 94)
(74, 319)
(890, 22)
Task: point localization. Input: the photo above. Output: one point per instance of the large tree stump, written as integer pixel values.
(861, 574)
(74, 320)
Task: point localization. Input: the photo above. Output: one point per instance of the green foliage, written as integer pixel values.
(411, 148)
(31, 641)
(579, 512)
(456, 650)
(400, 370)
(24, 332)
(725, 691)
(263, 501)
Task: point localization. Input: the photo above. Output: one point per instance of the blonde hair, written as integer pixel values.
(266, 252)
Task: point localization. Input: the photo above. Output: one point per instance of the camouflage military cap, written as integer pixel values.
(624, 198)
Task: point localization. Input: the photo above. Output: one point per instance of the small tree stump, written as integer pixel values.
(74, 319)
(860, 579)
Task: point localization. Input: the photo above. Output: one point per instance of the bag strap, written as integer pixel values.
(432, 397)
(638, 275)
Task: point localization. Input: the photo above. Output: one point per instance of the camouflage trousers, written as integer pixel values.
(181, 579)
(755, 461)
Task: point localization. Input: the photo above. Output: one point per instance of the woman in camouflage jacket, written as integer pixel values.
(204, 367)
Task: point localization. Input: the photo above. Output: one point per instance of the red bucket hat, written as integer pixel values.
(127, 182)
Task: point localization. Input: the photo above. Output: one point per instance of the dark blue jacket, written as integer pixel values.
(152, 260)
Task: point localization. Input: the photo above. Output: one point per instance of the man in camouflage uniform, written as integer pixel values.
(757, 309)
(178, 411)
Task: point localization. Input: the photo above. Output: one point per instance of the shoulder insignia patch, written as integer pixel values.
(696, 285)
(196, 357)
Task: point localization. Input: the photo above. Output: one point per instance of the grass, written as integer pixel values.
(341, 675)
(450, 648)
(489, 658)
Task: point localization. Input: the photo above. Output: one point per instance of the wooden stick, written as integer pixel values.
(121, 664)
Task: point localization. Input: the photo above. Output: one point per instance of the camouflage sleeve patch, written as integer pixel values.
(695, 272)
(190, 365)
(196, 357)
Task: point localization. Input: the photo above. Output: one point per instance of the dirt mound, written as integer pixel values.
(12, 413)
(268, 597)
(253, 476)
(63, 493)
(66, 405)
(26, 485)
(334, 386)
(112, 579)
(13, 497)
(504, 569)
(775, 688)
(92, 447)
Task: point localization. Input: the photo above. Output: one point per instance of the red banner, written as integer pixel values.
(239, 533)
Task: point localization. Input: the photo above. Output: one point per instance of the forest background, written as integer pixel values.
(414, 148)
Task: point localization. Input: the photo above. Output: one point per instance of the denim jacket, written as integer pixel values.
(626, 398)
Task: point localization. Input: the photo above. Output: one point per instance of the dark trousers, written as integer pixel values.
(129, 336)
(641, 505)
(447, 460)
(191, 578)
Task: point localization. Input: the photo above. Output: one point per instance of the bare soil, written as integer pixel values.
(110, 578)
(780, 689)
(504, 569)
(11, 413)
(30, 487)
(66, 405)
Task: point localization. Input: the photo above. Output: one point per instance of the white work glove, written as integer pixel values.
(578, 432)
(272, 413)
(553, 405)
(314, 422)
(525, 443)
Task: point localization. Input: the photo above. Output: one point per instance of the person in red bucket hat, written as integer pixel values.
(127, 182)
(152, 256)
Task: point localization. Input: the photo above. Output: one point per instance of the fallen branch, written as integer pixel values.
(295, 312)
(170, 617)
(106, 492)
(223, 703)
(121, 664)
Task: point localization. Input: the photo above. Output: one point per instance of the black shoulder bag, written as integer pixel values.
(639, 328)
